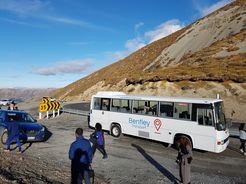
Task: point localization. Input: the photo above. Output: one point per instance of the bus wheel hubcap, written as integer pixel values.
(115, 131)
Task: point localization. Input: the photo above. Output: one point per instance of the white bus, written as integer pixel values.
(163, 119)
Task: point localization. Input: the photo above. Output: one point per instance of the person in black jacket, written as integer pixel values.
(242, 137)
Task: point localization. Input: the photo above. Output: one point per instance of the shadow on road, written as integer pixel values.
(29, 145)
(48, 134)
(233, 149)
(158, 166)
(22, 145)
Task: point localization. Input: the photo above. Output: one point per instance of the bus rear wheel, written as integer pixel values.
(115, 130)
(177, 138)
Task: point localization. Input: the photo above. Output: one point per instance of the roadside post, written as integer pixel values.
(49, 104)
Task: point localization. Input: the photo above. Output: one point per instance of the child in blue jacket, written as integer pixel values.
(99, 142)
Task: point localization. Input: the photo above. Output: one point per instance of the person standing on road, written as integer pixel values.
(242, 136)
(13, 128)
(184, 159)
(12, 106)
(80, 153)
(98, 140)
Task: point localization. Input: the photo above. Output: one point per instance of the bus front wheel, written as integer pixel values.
(115, 130)
(3, 137)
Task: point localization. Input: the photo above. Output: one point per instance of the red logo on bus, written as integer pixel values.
(157, 124)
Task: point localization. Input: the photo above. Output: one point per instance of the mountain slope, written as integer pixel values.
(205, 58)
(203, 33)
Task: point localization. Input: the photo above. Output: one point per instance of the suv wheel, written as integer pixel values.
(4, 137)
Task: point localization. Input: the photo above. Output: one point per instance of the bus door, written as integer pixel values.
(205, 131)
(104, 114)
(100, 111)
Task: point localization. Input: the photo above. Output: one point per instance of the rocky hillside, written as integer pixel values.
(203, 59)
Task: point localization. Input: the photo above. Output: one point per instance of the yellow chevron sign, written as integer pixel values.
(57, 105)
(48, 105)
(46, 99)
(43, 107)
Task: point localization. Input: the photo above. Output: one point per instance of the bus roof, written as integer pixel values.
(121, 95)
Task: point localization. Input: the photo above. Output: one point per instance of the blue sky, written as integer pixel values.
(52, 43)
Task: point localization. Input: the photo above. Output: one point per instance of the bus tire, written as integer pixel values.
(3, 137)
(176, 141)
(115, 130)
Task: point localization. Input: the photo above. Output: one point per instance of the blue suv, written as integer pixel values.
(30, 129)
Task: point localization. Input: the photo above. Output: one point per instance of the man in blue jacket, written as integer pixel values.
(13, 133)
(80, 153)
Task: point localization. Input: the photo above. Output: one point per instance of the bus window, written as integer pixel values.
(138, 107)
(220, 116)
(205, 117)
(97, 103)
(115, 105)
(125, 106)
(166, 109)
(105, 104)
(182, 111)
(145, 107)
(152, 108)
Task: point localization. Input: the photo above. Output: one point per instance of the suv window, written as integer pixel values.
(19, 117)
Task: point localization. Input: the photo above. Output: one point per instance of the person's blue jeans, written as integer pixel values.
(16, 139)
(242, 145)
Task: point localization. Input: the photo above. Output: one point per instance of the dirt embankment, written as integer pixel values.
(32, 170)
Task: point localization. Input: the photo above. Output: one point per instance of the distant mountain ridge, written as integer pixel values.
(26, 94)
(202, 59)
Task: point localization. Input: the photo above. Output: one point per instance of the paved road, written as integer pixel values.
(78, 106)
(134, 160)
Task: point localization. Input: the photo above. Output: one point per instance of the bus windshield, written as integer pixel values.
(220, 116)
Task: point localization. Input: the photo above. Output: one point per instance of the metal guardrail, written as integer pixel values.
(75, 111)
(234, 132)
